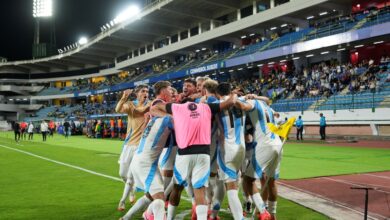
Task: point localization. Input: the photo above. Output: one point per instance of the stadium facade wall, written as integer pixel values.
(381, 116)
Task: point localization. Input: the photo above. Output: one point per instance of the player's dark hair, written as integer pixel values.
(140, 87)
(190, 80)
(223, 89)
(158, 86)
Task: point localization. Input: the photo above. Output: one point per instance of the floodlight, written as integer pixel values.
(42, 8)
(128, 13)
(83, 40)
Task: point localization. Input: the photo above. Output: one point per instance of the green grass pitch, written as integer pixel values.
(33, 188)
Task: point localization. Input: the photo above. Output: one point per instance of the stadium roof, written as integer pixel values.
(157, 21)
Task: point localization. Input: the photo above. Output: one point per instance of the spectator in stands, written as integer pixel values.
(299, 126)
(30, 131)
(322, 126)
(44, 130)
(66, 129)
(17, 131)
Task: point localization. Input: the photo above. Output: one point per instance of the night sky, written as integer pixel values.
(73, 19)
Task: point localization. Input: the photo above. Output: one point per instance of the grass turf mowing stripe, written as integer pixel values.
(64, 164)
(42, 190)
(180, 215)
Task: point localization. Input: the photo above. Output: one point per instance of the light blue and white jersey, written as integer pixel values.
(154, 139)
(232, 125)
(260, 115)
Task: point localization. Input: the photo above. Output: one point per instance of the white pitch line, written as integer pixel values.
(378, 176)
(64, 164)
(179, 216)
(354, 184)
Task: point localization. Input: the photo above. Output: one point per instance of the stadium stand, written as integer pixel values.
(259, 59)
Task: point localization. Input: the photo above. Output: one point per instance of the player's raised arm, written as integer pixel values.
(245, 106)
(261, 98)
(159, 110)
(231, 101)
(122, 106)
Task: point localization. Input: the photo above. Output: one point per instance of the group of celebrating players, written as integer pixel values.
(208, 140)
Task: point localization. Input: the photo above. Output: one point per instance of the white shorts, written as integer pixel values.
(230, 159)
(124, 161)
(147, 176)
(167, 158)
(192, 168)
(266, 159)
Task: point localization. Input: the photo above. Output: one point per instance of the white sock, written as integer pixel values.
(272, 207)
(167, 180)
(158, 209)
(258, 202)
(235, 204)
(140, 205)
(126, 192)
(171, 212)
(201, 212)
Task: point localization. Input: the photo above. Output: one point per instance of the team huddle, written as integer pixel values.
(208, 140)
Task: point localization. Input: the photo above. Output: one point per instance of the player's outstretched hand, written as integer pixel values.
(126, 93)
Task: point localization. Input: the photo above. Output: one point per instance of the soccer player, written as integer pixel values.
(175, 95)
(144, 165)
(135, 111)
(112, 127)
(266, 157)
(189, 91)
(192, 124)
(23, 130)
(52, 127)
(231, 151)
(216, 189)
(168, 155)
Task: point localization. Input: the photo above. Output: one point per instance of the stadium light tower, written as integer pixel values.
(43, 9)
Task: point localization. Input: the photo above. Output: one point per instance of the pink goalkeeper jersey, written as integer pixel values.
(192, 123)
